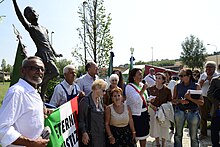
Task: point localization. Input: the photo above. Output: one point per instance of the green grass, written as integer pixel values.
(3, 89)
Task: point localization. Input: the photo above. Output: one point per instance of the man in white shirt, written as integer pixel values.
(22, 116)
(85, 81)
(204, 81)
(67, 89)
(150, 78)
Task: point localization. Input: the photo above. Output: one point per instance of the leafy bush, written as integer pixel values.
(50, 87)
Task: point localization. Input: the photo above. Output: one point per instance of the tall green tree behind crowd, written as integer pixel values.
(98, 40)
(61, 64)
(3, 64)
(194, 52)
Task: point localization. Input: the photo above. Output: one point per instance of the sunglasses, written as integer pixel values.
(182, 76)
(35, 68)
(103, 90)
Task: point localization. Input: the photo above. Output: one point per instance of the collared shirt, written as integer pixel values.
(150, 79)
(85, 83)
(21, 114)
(206, 84)
(59, 95)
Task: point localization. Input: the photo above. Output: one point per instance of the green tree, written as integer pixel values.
(97, 39)
(3, 65)
(9, 68)
(194, 52)
(61, 64)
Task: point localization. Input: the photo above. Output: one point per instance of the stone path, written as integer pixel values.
(186, 140)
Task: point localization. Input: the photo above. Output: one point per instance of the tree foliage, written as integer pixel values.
(98, 40)
(194, 52)
(163, 62)
(52, 83)
(3, 65)
(61, 64)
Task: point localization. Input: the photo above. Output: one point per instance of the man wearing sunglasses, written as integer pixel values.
(204, 81)
(22, 116)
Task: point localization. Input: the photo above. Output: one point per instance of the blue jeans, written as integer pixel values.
(193, 121)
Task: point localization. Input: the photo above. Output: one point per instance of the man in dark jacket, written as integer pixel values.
(214, 96)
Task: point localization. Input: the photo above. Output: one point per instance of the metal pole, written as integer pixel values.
(152, 48)
(216, 55)
(51, 39)
(216, 52)
(132, 59)
(84, 17)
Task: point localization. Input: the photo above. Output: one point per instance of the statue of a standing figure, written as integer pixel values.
(39, 35)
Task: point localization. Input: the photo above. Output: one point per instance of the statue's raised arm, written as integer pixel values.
(20, 16)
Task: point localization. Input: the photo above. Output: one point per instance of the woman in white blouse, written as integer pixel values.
(136, 96)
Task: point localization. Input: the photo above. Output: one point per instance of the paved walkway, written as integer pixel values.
(186, 140)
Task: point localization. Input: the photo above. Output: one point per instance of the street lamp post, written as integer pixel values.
(216, 52)
(51, 38)
(84, 17)
(152, 48)
(132, 58)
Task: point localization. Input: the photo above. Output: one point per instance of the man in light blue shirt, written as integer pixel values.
(85, 81)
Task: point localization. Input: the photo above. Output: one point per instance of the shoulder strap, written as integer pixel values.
(143, 99)
(152, 78)
(89, 115)
(64, 90)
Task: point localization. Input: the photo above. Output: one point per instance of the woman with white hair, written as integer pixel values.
(91, 117)
(113, 79)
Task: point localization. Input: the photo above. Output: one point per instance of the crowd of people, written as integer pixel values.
(115, 113)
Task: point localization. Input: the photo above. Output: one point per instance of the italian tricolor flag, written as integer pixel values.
(63, 125)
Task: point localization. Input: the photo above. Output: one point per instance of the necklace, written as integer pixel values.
(159, 87)
(119, 109)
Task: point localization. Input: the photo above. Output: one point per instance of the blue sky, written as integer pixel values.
(142, 24)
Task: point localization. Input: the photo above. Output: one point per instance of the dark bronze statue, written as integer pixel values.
(39, 35)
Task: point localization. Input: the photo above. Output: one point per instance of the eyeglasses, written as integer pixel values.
(182, 76)
(114, 80)
(35, 68)
(210, 66)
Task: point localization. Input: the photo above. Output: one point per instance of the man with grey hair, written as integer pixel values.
(67, 89)
(22, 115)
(204, 81)
(150, 78)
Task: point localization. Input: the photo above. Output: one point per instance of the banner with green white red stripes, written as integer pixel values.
(63, 125)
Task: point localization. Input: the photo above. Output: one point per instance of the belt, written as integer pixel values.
(189, 110)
